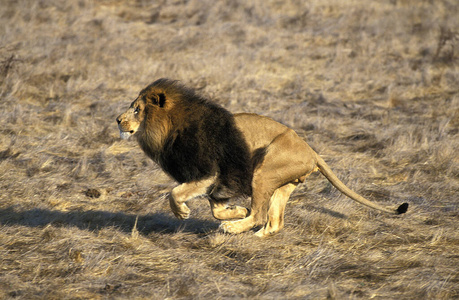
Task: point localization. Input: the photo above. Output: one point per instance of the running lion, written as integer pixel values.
(210, 151)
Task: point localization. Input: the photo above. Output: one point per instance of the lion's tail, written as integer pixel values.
(327, 172)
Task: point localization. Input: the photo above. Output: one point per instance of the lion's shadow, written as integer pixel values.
(97, 220)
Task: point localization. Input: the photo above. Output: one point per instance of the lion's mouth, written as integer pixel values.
(126, 134)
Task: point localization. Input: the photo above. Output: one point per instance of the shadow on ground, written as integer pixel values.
(324, 210)
(96, 220)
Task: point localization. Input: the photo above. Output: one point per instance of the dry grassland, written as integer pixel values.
(373, 86)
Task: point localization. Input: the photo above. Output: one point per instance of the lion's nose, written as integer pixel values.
(118, 120)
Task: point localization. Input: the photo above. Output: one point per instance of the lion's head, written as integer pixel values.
(130, 121)
(150, 116)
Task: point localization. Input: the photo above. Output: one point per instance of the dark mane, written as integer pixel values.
(203, 140)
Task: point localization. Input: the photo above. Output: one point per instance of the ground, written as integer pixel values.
(372, 86)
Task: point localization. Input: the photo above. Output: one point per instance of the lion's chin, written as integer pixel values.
(125, 134)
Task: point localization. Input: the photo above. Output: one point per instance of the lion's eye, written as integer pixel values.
(136, 110)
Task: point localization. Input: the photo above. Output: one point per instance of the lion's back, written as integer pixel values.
(258, 131)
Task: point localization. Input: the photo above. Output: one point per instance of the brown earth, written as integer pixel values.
(373, 86)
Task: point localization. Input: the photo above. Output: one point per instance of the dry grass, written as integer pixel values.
(373, 87)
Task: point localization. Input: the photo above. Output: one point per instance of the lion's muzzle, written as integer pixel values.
(123, 126)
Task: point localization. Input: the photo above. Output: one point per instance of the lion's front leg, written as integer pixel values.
(185, 192)
(178, 207)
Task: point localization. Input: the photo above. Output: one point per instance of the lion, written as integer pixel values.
(211, 152)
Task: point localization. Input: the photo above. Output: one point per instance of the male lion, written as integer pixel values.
(212, 152)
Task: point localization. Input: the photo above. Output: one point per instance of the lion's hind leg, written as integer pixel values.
(286, 158)
(263, 189)
(276, 210)
(222, 211)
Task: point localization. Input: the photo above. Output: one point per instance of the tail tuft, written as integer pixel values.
(402, 208)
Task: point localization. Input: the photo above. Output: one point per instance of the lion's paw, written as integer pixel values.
(227, 227)
(264, 232)
(182, 212)
(238, 226)
(261, 233)
(182, 216)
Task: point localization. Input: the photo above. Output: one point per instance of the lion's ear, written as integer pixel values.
(162, 99)
(159, 99)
